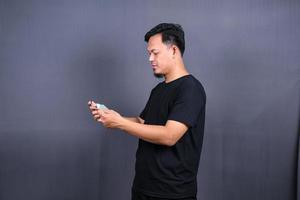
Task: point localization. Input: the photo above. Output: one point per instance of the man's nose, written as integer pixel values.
(151, 57)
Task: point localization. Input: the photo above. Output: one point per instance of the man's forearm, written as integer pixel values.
(151, 133)
(133, 119)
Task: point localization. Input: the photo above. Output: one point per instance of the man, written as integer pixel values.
(170, 128)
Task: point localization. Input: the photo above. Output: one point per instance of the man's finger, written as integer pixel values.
(91, 103)
(95, 112)
(97, 116)
(106, 111)
(93, 108)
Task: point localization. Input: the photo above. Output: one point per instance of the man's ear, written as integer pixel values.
(174, 50)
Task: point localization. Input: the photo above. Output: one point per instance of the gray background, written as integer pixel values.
(55, 55)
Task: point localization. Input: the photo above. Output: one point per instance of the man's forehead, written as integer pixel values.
(150, 49)
(156, 47)
(151, 46)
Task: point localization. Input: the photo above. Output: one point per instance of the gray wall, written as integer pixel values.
(56, 55)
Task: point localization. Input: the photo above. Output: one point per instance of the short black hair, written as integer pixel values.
(171, 34)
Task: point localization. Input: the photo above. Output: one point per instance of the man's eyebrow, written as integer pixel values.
(152, 50)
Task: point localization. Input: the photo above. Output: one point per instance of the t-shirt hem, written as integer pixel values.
(159, 195)
(184, 121)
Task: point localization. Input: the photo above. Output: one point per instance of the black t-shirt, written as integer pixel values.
(171, 172)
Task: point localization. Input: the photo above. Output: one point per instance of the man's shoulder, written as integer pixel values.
(159, 85)
(184, 83)
(191, 83)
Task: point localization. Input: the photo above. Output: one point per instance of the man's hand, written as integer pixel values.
(110, 119)
(94, 110)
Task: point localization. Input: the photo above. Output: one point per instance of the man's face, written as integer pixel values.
(160, 55)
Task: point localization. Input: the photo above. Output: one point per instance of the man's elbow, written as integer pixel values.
(173, 132)
(170, 141)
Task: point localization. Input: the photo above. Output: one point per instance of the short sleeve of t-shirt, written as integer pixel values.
(187, 104)
(145, 110)
(143, 113)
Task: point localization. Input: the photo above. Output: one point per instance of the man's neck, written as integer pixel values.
(176, 74)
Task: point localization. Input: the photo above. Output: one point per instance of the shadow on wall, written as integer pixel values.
(297, 166)
(98, 73)
(251, 132)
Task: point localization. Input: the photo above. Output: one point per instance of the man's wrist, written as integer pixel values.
(123, 123)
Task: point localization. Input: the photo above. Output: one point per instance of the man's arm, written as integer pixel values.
(167, 134)
(135, 119)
